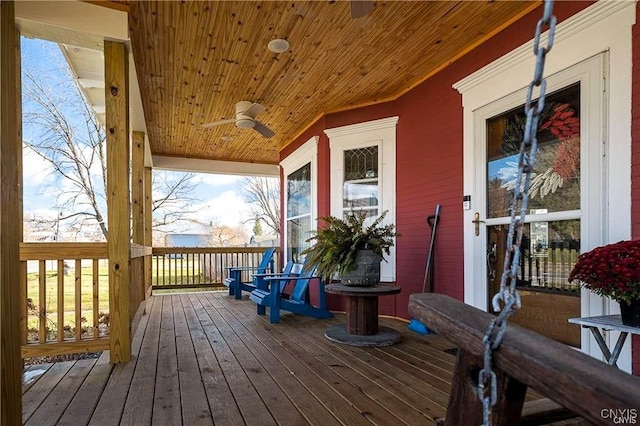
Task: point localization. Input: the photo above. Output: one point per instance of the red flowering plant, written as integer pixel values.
(612, 271)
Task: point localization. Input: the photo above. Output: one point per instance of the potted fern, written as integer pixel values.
(350, 248)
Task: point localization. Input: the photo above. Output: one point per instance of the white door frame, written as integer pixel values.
(602, 27)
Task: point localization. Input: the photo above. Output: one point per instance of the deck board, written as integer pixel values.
(60, 397)
(166, 400)
(193, 398)
(88, 394)
(32, 373)
(110, 406)
(224, 409)
(38, 393)
(206, 358)
(138, 407)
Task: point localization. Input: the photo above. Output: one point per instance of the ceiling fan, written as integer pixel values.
(361, 8)
(246, 113)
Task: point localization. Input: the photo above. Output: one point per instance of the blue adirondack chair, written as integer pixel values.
(234, 277)
(297, 302)
(290, 269)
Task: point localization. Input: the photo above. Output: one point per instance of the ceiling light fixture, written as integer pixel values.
(278, 45)
(227, 138)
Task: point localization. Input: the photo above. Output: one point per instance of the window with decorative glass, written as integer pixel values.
(361, 190)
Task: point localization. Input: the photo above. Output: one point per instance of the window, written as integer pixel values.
(363, 172)
(298, 211)
(300, 198)
(360, 189)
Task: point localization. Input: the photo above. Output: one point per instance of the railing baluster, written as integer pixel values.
(96, 298)
(193, 277)
(42, 299)
(60, 300)
(23, 297)
(78, 293)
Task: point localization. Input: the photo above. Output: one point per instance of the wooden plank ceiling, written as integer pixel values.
(196, 59)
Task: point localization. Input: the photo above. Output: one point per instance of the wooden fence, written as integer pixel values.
(190, 267)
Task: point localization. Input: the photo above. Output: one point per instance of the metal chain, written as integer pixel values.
(508, 294)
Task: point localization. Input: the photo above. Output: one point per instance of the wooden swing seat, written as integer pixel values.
(581, 384)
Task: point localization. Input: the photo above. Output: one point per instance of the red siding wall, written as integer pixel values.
(429, 164)
(635, 163)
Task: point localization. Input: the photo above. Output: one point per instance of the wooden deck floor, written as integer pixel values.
(204, 358)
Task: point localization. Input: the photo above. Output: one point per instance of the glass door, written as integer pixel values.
(565, 185)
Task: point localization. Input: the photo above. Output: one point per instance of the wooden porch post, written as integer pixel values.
(137, 186)
(116, 77)
(10, 217)
(148, 228)
(137, 204)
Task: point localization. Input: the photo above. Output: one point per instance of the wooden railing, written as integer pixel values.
(190, 267)
(65, 289)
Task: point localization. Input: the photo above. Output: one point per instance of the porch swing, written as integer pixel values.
(496, 364)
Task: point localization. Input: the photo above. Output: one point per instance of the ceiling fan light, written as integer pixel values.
(245, 123)
(278, 45)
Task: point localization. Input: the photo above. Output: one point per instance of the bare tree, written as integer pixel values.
(172, 198)
(75, 149)
(61, 128)
(263, 195)
(226, 236)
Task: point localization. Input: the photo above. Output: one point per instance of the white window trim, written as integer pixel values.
(305, 154)
(605, 26)
(383, 134)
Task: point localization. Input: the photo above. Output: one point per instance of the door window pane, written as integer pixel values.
(548, 252)
(555, 182)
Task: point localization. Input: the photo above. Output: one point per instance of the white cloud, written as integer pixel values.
(35, 170)
(227, 208)
(217, 180)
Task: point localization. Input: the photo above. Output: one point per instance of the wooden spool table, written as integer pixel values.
(362, 327)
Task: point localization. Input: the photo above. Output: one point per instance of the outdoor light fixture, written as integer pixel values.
(278, 45)
(245, 123)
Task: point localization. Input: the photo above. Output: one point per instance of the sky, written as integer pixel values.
(219, 200)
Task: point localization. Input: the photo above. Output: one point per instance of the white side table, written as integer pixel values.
(607, 322)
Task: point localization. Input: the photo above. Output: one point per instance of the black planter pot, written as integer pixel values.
(630, 313)
(367, 271)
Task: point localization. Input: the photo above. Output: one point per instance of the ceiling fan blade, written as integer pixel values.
(217, 123)
(254, 109)
(263, 130)
(361, 8)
